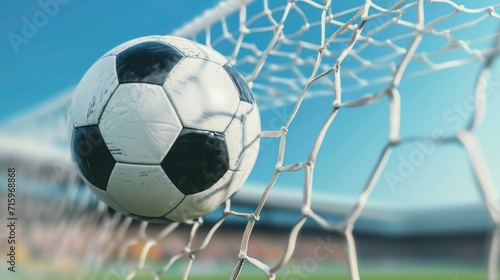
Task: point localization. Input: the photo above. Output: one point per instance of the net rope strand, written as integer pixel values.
(287, 68)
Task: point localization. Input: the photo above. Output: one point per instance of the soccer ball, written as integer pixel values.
(163, 129)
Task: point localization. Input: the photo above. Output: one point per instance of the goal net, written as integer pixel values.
(352, 56)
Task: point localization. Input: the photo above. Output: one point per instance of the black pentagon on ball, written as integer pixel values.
(92, 156)
(197, 160)
(148, 62)
(243, 89)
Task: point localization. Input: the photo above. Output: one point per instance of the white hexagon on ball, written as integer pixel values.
(137, 114)
(214, 109)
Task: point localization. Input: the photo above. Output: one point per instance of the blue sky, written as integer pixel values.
(60, 51)
(64, 48)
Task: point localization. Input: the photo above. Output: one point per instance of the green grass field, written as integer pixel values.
(375, 276)
(311, 277)
(423, 274)
(329, 277)
(389, 276)
(371, 271)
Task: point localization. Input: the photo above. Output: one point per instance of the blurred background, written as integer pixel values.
(425, 214)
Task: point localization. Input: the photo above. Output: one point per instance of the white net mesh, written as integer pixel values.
(358, 53)
(276, 70)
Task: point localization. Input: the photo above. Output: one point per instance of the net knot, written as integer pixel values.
(244, 30)
(284, 130)
(242, 256)
(307, 211)
(394, 141)
(254, 217)
(420, 29)
(491, 10)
